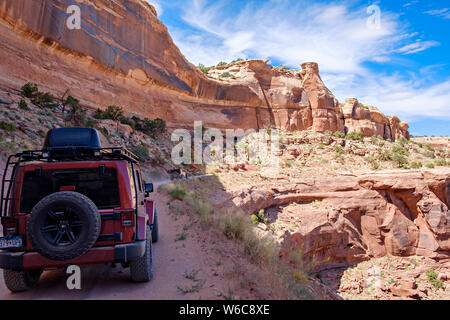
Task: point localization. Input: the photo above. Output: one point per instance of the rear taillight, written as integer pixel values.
(10, 226)
(127, 219)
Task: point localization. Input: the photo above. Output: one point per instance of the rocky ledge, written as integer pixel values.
(344, 220)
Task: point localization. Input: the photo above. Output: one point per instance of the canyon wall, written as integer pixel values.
(124, 55)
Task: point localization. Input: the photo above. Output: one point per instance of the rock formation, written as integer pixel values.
(395, 213)
(124, 55)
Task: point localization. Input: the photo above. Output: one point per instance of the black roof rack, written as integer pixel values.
(77, 154)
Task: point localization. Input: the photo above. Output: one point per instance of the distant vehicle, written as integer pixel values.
(74, 203)
(177, 174)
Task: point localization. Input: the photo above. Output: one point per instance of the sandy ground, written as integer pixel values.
(172, 260)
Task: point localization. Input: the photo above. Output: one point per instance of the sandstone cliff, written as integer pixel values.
(124, 55)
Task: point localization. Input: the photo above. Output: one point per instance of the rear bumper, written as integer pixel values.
(33, 260)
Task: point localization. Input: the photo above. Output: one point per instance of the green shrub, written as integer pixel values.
(259, 217)
(128, 121)
(149, 127)
(441, 163)
(362, 105)
(400, 150)
(203, 69)
(29, 90)
(23, 105)
(44, 100)
(7, 126)
(75, 112)
(355, 136)
(430, 165)
(339, 134)
(222, 64)
(416, 165)
(339, 149)
(403, 141)
(90, 123)
(433, 279)
(177, 194)
(226, 75)
(373, 163)
(99, 114)
(141, 152)
(113, 113)
(328, 133)
(400, 160)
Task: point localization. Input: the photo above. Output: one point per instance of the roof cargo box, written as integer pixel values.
(63, 142)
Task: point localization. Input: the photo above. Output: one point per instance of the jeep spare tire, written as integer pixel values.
(64, 225)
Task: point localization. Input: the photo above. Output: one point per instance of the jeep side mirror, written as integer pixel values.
(148, 188)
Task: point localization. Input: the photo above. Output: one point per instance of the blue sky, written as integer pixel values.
(390, 54)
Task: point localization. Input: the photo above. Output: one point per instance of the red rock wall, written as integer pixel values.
(124, 55)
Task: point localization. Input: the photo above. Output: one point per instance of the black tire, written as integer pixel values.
(155, 231)
(142, 268)
(19, 281)
(64, 226)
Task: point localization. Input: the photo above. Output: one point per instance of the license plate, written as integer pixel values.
(10, 243)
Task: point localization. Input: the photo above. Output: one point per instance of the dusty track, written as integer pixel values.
(171, 260)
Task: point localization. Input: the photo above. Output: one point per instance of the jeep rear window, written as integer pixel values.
(101, 187)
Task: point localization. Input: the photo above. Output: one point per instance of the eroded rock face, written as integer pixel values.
(124, 55)
(371, 121)
(395, 213)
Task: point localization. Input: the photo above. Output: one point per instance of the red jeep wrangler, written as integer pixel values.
(74, 203)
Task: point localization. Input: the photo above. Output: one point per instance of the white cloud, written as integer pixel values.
(444, 13)
(334, 35)
(417, 46)
(410, 99)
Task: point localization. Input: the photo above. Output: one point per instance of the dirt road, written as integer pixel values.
(172, 260)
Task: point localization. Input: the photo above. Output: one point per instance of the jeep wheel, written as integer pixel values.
(155, 232)
(64, 226)
(142, 268)
(19, 281)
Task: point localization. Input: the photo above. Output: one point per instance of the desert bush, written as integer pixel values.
(7, 126)
(432, 276)
(149, 127)
(128, 121)
(400, 150)
(75, 112)
(441, 163)
(373, 163)
(142, 152)
(339, 134)
(359, 136)
(203, 68)
(44, 100)
(90, 123)
(29, 90)
(222, 64)
(339, 150)
(430, 165)
(416, 165)
(226, 75)
(259, 217)
(400, 160)
(23, 105)
(177, 194)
